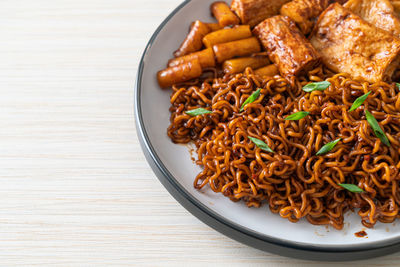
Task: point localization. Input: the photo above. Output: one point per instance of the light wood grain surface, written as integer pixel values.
(75, 189)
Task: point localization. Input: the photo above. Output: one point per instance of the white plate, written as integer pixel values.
(172, 163)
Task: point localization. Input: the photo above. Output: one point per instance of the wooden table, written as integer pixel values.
(76, 189)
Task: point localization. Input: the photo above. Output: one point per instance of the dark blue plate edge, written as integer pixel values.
(235, 231)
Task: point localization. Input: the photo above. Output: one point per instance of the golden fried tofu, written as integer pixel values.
(304, 12)
(287, 47)
(379, 13)
(252, 12)
(349, 44)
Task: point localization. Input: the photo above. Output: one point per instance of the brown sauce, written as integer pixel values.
(361, 234)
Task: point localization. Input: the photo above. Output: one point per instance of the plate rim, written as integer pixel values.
(223, 225)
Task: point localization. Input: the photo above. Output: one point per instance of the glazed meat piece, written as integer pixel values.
(304, 12)
(252, 12)
(286, 45)
(349, 44)
(380, 13)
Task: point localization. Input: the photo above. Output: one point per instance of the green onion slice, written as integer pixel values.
(328, 147)
(317, 86)
(261, 144)
(359, 101)
(352, 188)
(198, 111)
(251, 99)
(376, 128)
(297, 116)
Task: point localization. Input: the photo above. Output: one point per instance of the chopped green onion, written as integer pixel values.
(251, 99)
(317, 86)
(297, 116)
(261, 144)
(198, 111)
(352, 188)
(359, 101)
(376, 128)
(328, 147)
(398, 85)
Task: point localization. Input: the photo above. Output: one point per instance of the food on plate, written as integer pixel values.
(227, 35)
(214, 26)
(205, 57)
(379, 13)
(194, 40)
(304, 12)
(224, 14)
(349, 44)
(270, 70)
(287, 47)
(179, 73)
(237, 65)
(252, 12)
(298, 112)
(237, 48)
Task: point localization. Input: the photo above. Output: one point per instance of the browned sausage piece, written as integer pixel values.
(205, 57)
(239, 48)
(223, 14)
(227, 35)
(304, 12)
(253, 12)
(178, 74)
(194, 40)
(286, 46)
(270, 71)
(237, 65)
(349, 44)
